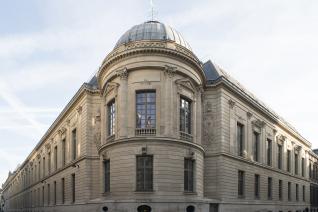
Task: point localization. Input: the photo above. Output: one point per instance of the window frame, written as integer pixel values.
(269, 188)
(106, 167)
(241, 184)
(145, 170)
(280, 156)
(256, 146)
(280, 190)
(111, 117)
(189, 174)
(146, 91)
(269, 152)
(74, 143)
(257, 186)
(240, 138)
(189, 118)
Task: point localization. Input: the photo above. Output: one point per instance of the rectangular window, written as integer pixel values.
(74, 144)
(280, 190)
(54, 193)
(48, 194)
(256, 146)
(269, 188)
(188, 175)
(63, 190)
(269, 152)
(55, 157)
(296, 164)
(146, 109)
(63, 152)
(289, 191)
(304, 193)
(111, 114)
(43, 196)
(240, 139)
(241, 184)
(144, 173)
(279, 156)
(39, 169)
(257, 186)
(303, 167)
(297, 192)
(310, 169)
(73, 188)
(288, 160)
(107, 175)
(49, 162)
(185, 115)
(43, 167)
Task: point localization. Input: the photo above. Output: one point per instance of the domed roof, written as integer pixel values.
(152, 30)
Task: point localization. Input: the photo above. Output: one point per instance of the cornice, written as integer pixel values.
(260, 107)
(84, 88)
(153, 47)
(151, 139)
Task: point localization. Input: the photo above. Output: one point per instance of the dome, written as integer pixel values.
(153, 30)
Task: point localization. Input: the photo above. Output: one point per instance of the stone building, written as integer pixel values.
(158, 130)
(313, 175)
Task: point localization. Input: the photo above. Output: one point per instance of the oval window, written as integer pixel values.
(105, 208)
(144, 208)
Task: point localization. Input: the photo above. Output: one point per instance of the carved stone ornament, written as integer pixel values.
(259, 123)
(111, 86)
(97, 130)
(122, 73)
(61, 131)
(297, 148)
(38, 156)
(170, 71)
(281, 139)
(231, 103)
(185, 83)
(79, 109)
(249, 114)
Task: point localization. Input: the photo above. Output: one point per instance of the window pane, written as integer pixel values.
(144, 173)
(146, 109)
(185, 116)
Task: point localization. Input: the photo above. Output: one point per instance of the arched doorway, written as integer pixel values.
(144, 208)
(190, 208)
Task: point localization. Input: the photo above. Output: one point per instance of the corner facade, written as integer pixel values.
(157, 130)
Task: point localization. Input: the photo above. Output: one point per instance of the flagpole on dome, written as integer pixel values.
(152, 10)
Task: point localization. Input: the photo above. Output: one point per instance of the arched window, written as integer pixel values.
(144, 208)
(190, 208)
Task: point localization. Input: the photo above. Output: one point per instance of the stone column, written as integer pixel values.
(122, 104)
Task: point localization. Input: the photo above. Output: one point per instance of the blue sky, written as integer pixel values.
(49, 48)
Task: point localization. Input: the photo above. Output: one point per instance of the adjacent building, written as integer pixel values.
(158, 130)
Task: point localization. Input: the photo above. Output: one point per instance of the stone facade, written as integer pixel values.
(66, 171)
